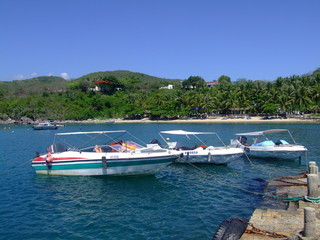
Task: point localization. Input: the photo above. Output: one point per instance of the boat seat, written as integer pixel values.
(280, 142)
(264, 143)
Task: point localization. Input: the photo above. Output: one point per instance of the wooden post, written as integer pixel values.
(313, 183)
(313, 168)
(310, 224)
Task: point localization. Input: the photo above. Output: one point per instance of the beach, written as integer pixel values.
(258, 119)
(223, 120)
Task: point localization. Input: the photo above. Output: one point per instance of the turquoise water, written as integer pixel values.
(180, 202)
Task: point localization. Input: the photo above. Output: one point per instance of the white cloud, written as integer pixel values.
(23, 76)
(64, 75)
(19, 77)
(50, 74)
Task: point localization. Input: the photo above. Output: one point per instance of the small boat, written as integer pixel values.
(200, 153)
(107, 156)
(45, 126)
(257, 144)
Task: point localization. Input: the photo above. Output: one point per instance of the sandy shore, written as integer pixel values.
(221, 120)
(208, 120)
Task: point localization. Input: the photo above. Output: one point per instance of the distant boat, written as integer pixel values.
(257, 144)
(45, 126)
(201, 153)
(109, 121)
(101, 153)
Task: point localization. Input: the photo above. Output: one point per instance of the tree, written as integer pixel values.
(301, 98)
(224, 79)
(269, 108)
(193, 82)
(109, 85)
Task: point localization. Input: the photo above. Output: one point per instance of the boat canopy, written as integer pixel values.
(182, 132)
(93, 132)
(259, 133)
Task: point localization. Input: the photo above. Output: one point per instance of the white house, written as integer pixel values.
(170, 86)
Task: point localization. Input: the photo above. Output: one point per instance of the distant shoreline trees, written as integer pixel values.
(130, 96)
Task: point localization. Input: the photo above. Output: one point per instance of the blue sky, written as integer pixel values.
(252, 39)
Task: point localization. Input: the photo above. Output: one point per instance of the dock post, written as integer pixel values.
(313, 183)
(313, 180)
(313, 168)
(310, 224)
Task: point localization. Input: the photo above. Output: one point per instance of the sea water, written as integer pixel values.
(180, 202)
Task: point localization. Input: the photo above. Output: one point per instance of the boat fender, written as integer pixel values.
(230, 229)
(187, 157)
(49, 157)
(104, 162)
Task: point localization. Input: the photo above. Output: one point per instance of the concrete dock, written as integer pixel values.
(276, 219)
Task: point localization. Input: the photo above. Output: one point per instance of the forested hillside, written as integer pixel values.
(33, 85)
(124, 94)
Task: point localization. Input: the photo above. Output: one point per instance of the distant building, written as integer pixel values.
(212, 83)
(170, 86)
(97, 87)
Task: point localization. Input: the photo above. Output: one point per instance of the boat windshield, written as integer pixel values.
(270, 137)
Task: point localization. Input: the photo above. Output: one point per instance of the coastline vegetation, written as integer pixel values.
(124, 94)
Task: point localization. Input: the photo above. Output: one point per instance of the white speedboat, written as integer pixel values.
(257, 144)
(45, 126)
(201, 153)
(107, 156)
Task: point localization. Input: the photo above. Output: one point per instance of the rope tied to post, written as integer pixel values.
(251, 229)
(312, 200)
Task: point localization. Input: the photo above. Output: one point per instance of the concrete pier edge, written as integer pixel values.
(289, 221)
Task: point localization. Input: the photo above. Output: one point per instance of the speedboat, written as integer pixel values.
(103, 154)
(45, 126)
(260, 144)
(201, 153)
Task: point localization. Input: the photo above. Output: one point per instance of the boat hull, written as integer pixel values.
(101, 164)
(44, 127)
(218, 156)
(280, 152)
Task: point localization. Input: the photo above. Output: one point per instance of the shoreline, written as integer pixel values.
(220, 120)
(206, 121)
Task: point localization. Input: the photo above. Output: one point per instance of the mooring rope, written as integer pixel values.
(22, 164)
(286, 199)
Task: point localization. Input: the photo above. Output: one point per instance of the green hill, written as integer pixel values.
(131, 80)
(33, 85)
(56, 98)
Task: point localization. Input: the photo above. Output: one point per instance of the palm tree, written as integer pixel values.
(301, 98)
(316, 94)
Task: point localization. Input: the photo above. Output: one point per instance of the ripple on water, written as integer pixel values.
(180, 202)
